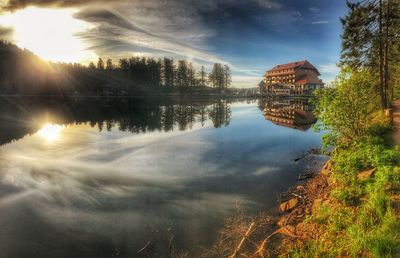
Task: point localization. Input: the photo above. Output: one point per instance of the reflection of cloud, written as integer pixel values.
(112, 187)
(265, 170)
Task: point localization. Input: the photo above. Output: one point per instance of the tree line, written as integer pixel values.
(371, 40)
(23, 73)
(166, 73)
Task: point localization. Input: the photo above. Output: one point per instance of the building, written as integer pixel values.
(296, 78)
(290, 113)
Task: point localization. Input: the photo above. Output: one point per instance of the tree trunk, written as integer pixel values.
(381, 58)
(387, 54)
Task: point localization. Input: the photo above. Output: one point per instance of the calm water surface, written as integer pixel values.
(102, 180)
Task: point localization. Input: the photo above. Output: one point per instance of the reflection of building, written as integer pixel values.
(297, 78)
(289, 113)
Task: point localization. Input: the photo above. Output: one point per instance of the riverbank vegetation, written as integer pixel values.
(23, 73)
(360, 214)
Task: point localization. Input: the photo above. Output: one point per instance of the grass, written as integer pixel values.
(360, 219)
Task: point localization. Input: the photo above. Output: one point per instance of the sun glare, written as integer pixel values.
(50, 132)
(49, 33)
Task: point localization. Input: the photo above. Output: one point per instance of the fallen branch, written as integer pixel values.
(242, 241)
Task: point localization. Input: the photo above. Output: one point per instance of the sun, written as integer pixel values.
(50, 132)
(49, 33)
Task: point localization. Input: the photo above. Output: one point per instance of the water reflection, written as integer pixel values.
(293, 113)
(123, 173)
(24, 116)
(50, 132)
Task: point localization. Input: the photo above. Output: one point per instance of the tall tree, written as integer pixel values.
(202, 76)
(100, 64)
(228, 77)
(370, 38)
(124, 65)
(182, 74)
(192, 80)
(167, 72)
(217, 76)
(109, 65)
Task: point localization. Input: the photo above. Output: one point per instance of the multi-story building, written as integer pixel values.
(296, 78)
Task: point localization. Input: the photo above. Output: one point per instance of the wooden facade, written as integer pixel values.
(296, 78)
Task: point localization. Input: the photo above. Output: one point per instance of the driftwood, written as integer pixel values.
(243, 239)
(149, 245)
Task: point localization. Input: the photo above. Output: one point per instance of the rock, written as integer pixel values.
(366, 174)
(300, 188)
(325, 172)
(315, 205)
(287, 230)
(327, 165)
(288, 205)
(307, 230)
(282, 221)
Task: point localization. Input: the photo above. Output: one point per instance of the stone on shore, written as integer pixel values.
(366, 174)
(315, 205)
(288, 205)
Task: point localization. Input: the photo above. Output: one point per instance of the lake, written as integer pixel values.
(106, 177)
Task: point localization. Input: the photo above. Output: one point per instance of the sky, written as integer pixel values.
(251, 36)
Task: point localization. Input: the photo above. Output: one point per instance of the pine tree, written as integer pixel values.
(109, 65)
(100, 64)
(202, 77)
(370, 39)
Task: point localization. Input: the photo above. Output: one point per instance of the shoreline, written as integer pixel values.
(305, 199)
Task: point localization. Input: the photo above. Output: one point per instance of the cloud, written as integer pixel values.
(12, 5)
(320, 22)
(314, 10)
(172, 28)
(329, 72)
(270, 4)
(329, 68)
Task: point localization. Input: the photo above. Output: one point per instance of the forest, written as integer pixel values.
(23, 73)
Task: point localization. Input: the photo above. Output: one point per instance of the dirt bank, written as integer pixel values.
(294, 228)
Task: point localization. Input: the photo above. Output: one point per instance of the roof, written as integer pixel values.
(306, 79)
(294, 65)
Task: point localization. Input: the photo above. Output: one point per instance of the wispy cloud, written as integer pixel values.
(328, 68)
(314, 10)
(320, 22)
(270, 4)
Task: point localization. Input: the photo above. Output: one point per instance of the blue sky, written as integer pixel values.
(249, 35)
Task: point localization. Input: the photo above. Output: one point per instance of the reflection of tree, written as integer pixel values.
(220, 113)
(130, 115)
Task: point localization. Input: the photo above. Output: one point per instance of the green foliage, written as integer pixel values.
(220, 77)
(360, 220)
(345, 111)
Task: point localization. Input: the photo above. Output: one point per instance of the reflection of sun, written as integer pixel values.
(50, 132)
